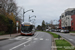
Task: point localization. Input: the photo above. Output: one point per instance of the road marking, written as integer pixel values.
(47, 39)
(34, 41)
(24, 38)
(35, 38)
(71, 39)
(19, 45)
(18, 37)
(30, 38)
(41, 38)
(22, 43)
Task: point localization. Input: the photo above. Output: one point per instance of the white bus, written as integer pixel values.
(27, 28)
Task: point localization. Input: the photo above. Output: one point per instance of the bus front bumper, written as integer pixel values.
(26, 34)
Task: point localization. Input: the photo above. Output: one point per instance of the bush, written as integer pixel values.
(2, 33)
(5, 25)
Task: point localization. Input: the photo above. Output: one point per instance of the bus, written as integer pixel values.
(27, 28)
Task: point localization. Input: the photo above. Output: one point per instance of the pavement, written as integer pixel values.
(40, 41)
(72, 34)
(3, 37)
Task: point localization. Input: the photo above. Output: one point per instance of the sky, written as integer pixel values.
(46, 10)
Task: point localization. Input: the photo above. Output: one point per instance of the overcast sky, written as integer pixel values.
(45, 9)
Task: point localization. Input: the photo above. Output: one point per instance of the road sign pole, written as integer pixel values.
(17, 23)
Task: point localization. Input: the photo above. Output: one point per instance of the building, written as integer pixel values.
(67, 19)
(60, 24)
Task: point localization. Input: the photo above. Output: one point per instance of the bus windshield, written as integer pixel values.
(26, 28)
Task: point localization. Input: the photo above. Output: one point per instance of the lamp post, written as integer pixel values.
(31, 17)
(0, 4)
(25, 12)
(33, 21)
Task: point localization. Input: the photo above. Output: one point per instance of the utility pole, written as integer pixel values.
(25, 12)
(23, 15)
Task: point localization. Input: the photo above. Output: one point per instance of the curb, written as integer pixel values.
(8, 38)
(4, 39)
(72, 34)
(68, 41)
(53, 43)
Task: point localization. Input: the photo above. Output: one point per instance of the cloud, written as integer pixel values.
(45, 9)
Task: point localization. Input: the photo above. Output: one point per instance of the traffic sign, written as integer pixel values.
(17, 23)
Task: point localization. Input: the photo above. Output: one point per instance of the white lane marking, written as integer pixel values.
(41, 38)
(47, 39)
(22, 43)
(71, 39)
(35, 38)
(24, 38)
(19, 45)
(30, 38)
(18, 37)
(34, 41)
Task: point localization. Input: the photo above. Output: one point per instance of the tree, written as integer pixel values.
(39, 27)
(8, 7)
(43, 25)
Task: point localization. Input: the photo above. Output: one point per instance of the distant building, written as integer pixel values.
(67, 19)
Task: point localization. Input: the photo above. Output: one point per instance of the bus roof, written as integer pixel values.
(27, 23)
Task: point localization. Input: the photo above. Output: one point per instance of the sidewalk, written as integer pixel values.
(2, 37)
(72, 34)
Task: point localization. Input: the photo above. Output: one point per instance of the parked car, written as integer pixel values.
(62, 31)
(66, 31)
(52, 30)
(59, 30)
(47, 29)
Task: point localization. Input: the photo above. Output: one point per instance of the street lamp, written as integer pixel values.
(31, 17)
(33, 21)
(25, 12)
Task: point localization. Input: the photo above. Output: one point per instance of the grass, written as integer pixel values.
(54, 35)
(63, 45)
(72, 32)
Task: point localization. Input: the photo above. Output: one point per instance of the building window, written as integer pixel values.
(68, 17)
(72, 24)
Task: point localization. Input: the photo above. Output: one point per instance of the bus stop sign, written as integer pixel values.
(17, 23)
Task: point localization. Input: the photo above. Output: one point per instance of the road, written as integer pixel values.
(67, 36)
(40, 41)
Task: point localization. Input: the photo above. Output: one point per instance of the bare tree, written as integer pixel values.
(9, 6)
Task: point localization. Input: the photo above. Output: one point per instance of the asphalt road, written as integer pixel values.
(67, 36)
(40, 41)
